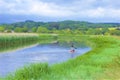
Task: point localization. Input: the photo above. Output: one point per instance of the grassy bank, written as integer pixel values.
(47, 38)
(13, 40)
(102, 62)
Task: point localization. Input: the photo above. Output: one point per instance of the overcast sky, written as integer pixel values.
(59, 10)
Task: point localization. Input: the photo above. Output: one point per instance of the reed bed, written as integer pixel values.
(10, 40)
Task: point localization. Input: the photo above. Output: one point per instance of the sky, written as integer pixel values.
(59, 10)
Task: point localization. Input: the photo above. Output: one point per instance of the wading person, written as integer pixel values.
(72, 51)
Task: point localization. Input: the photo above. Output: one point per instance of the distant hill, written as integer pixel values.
(61, 24)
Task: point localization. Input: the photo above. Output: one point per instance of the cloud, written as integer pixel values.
(34, 7)
(64, 9)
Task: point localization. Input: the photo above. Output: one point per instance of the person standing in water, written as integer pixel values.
(72, 51)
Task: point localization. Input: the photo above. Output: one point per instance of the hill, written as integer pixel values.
(61, 25)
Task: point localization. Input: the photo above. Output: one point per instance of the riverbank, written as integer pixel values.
(102, 62)
(9, 41)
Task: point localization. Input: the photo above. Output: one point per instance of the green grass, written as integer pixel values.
(11, 41)
(47, 38)
(31, 72)
(101, 63)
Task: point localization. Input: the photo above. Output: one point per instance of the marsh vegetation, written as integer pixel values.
(102, 62)
(14, 40)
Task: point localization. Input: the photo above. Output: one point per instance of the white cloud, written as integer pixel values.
(79, 8)
(34, 7)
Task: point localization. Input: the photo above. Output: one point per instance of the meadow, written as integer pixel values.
(102, 62)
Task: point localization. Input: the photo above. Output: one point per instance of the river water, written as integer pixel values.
(50, 53)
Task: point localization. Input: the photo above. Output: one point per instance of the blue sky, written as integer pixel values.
(59, 10)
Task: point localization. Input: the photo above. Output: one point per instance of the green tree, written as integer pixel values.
(114, 32)
(2, 29)
(104, 30)
(24, 29)
(42, 30)
(18, 29)
(90, 31)
(34, 29)
(77, 31)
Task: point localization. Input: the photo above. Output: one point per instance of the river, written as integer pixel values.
(50, 53)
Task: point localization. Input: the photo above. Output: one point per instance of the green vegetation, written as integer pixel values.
(2, 29)
(42, 30)
(47, 38)
(11, 41)
(102, 62)
(73, 27)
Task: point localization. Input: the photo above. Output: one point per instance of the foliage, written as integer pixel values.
(34, 29)
(2, 29)
(42, 30)
(18, 29)
(69, 27)
(114, 32)
(102, 62)
(31, 72)
(9, 41)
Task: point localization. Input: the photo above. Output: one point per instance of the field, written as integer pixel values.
(101, 63)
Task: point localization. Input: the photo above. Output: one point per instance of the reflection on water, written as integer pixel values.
(51, 53)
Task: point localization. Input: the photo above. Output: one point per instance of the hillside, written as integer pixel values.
(61, 24)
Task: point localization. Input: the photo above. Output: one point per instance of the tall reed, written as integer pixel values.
(15, 40)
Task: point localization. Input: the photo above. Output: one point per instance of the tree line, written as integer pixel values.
(71, 27)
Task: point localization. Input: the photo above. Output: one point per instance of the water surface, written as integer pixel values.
(50, 53)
